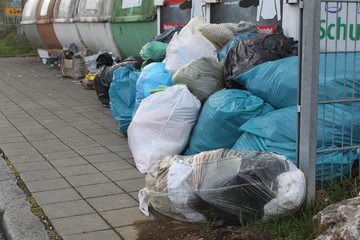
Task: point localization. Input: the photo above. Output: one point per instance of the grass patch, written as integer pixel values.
(13, 44)
(299, 225)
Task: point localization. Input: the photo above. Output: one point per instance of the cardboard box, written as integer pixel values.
(49, 58)
(73, 68)
(68, 63)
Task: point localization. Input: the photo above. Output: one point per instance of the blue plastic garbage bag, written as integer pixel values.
(221, 116)
(337, 123)
(122, 96)
(222, 53)
(276, 81)
(152, 76)
(329, 165)
(338, 126)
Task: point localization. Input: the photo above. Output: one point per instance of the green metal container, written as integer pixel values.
(133, 24)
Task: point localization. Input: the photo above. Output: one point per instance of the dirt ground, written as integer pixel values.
(167, 229)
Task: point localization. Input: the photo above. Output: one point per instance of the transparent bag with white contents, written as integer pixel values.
(162, 125)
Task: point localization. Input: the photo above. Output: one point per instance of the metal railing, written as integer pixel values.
(12, 39)
(329, 91)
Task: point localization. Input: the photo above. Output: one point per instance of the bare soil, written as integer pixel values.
(164, 228)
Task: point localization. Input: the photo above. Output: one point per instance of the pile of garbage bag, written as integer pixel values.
(104, 76)
(203, 88)
(220, 118)
(223, 187)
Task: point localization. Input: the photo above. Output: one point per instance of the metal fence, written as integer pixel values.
(329, 91)
(12, 39)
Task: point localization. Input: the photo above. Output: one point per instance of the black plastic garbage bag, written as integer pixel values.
(256, 50)
(104, 77)
(104, 59)
(166, 36)
(246, 192)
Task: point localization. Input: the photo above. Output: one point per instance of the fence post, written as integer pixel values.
(309, 78)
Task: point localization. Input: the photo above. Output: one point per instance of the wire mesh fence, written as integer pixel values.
(339, 87)
(13, 41)
(330, 98)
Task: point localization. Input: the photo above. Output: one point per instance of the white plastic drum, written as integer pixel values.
(28, 23)
(64, 23)
(92, 19)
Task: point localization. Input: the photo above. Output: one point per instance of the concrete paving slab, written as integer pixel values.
(107, 234)
(52, 148)
(33, 166)
(49, 184)
(44, 136)
(39, 175)
(27, 158)
(6, 140)
(77, 170)
(60, 155)
(67, 209)
(79, 224)
(132, 185)
(117, 148)
(91, 151)
(112, 166)
(101, 158)
(88, 179)
(20, 151)
(127, 215)
(125, 174)
(98, 190)
(112, 202)
(55, 196)
(68, 162)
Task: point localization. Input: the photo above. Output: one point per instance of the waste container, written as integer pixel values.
(264, 14)
(133, 24)
(339, 25)
(172, 15)
(28, 23)
(92, 20)
(44, 24)
(65, 25)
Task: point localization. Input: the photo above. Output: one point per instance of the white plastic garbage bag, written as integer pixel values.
(186, 47)
(162, 125)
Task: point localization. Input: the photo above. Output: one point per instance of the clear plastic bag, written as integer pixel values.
(162, 125)
(223, 187)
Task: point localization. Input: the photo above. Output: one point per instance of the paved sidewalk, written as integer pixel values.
(68, 151)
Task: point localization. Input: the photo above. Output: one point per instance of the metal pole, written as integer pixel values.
(309, 77)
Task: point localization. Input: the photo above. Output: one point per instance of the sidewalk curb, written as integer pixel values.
(18, 222)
